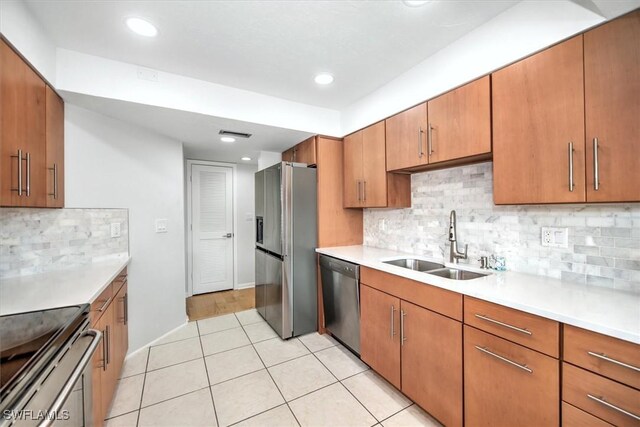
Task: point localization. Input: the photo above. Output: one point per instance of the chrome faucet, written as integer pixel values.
(454, 253)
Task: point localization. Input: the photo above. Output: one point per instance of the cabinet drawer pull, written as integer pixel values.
(393, 326)
(106, 303)
(402, 337)
(506, 325)
(420, 153)
(596, 166)
(571, 150)
(608, 359)
(430, 140)
(28, 174)
(19, 157)
(601, 401)
(504, 359)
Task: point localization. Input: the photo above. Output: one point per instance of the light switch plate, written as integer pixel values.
(115, 229)
(161, 225)
(554, 237)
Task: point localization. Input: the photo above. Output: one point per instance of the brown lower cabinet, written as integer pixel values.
(506, 384)
(112, 321)
(415, 349)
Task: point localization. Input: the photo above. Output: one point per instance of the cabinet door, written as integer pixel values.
(380, 332)
(538, 112)
(110, 375)
(507, 384)
(22, 128)
(460, 122)
(353, 184)
(374, 170)
(306, 151)
(97, 373)
(406, 138)
(432, 362)
(121, 335)
(612, 96)
(54, 149)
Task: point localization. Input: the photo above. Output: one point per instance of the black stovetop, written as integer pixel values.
(27, 338)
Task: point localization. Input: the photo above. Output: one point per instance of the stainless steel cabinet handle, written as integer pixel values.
(55, 181)
(126, 308)
(106, 303)
(402, 337)
(420, 153)
(108, 334)
(571, 150)
(596, 166)
(364, 191)
(617, 362)
(504, 359)
(506, 325)
(28, 174)
(430, 140)
(601, 401)
(104, 349)
(19, 157)
(393, 332)
(358, 190)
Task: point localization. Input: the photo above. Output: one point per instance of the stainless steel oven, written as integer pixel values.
(53, 385)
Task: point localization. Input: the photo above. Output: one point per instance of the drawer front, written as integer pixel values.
(523, 328)
(574, 417)
(100, 305)
(611, 357)
(435, 299)
(602, 397)
(506, 384)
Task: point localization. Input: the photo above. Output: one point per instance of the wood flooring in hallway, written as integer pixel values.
(218, 303)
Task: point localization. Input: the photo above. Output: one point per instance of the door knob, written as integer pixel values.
(228, 235)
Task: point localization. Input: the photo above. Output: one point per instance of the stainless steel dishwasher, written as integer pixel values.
(341, 300)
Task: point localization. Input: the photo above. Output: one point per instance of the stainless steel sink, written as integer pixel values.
(455, 274)
(415, 264)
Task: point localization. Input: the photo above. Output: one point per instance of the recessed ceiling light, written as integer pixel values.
(415, 3)
(246, 159)
(324, 79)
(227, 139)
(142, 27)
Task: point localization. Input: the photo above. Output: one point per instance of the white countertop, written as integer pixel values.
(607, 311)
(58, 288)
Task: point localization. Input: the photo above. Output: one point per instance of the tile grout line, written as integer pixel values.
(270, 376)
(144, 380)
(206, 370)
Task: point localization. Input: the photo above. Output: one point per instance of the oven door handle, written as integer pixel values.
(76, 374)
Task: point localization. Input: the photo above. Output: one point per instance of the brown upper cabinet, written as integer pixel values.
(612, 97)
(31, 136)
(460, 122)
(304, 152)
(455, 125)
(538, 128)
(366, 181)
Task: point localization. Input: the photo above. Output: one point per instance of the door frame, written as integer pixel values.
(189, 217)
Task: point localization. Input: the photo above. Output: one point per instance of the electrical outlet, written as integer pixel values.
(115, 229)
(555, 237)
(161, 225)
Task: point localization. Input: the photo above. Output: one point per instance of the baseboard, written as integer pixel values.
(245, 285)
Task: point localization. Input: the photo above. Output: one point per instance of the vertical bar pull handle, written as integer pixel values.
(358, 190)
(28, 174)
(596, 166)
(364, 191)
(402, 337)
(393, 326)
(420, 153)
(19, 157)
(55, 181)
(430, 140)
(571, 183)
(108, 331)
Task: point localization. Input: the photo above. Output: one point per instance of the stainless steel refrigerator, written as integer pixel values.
(286, 238)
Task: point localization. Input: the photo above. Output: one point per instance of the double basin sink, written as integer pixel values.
(434, 268)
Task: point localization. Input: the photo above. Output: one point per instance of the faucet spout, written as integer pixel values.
(452, 226)
(454, 253)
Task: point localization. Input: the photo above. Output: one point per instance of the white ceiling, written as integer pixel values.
(197, 132)
(271, 47)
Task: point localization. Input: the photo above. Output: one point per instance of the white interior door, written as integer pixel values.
(212, 234)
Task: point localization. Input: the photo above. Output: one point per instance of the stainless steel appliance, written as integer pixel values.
(341, 300)
(45, 369)
(286, 237)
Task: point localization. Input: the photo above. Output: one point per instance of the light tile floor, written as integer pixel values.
(234, 370)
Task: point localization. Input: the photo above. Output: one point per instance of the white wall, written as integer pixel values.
(19, 26)
(268, 158)
(109, 163)
(245, 238)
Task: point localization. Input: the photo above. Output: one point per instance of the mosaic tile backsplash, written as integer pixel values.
(604, 240)
(40, 240)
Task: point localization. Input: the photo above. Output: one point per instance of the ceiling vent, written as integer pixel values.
(235, 134)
